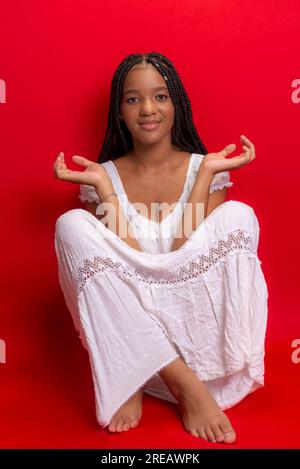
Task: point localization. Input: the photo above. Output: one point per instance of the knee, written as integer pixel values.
(70, 222)
(239, 209)
(241, 215)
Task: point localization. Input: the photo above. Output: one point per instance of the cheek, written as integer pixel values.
(169, 115)
(170, 111)
(130, 116)
(130, 112)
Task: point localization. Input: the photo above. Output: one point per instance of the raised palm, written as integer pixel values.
(217, 162)
(93, 175)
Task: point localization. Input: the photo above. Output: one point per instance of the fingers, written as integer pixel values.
(249, 145)
(62, 160)
(243, 158)
(60, 169)
(58, 163)
(228, 149)
(81, 160)
(247, 155)
(62, 172)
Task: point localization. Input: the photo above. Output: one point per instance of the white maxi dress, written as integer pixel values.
(137, 311)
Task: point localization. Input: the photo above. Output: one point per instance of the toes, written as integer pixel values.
(134, 423)
(112, 426)
(229, 437)
(228, 432)
(194, 432)
(120, 425)
(126, 426)
(218, 433)
(210, 435)
(202, 434)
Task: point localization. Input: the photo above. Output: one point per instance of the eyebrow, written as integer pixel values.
(158, 88)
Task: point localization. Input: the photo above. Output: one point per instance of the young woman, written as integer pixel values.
(174, 306)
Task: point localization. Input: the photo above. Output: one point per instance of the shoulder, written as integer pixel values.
(123, 163)
(182, 161)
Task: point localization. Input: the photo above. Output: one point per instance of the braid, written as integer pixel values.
(118, 140)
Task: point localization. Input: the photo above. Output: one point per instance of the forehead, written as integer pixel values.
(142, 78)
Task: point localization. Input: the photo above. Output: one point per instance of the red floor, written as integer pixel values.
(47, 400)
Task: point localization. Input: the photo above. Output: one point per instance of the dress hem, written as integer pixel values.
(105, 422)
(256, 382)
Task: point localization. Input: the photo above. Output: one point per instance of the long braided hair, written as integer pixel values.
(118, 140)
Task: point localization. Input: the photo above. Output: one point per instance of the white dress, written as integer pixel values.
(137, 311)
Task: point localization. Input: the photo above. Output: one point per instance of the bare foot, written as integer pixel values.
(201, 414)
(128, 415)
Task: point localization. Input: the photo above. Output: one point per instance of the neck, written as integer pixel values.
(153, 157)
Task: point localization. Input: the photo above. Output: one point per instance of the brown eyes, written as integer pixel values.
(159, 96)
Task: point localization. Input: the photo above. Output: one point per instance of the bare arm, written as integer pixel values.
(198, 205)
(96, 175)
(196, 208)
(116, 219)
(215, 199)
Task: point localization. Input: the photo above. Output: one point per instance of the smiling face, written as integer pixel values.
(146, 98)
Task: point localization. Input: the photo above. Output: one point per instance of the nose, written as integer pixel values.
(147, 107)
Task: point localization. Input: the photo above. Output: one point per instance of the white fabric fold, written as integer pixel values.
(137, 311)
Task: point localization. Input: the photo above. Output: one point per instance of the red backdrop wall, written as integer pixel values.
(239, 62)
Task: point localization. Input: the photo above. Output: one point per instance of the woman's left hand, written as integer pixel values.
(217, 162)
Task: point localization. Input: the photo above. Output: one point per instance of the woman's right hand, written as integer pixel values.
(93, 175)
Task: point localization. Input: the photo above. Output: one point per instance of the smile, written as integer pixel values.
(152, 126)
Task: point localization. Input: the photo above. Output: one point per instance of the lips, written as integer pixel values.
(149, 122)
(149, 125)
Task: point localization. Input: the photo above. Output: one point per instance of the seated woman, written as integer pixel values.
(174, 305)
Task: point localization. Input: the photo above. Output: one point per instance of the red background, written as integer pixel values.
(237, 61)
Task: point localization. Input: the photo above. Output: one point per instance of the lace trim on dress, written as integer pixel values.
(238, 239)
(88, 194)
(220, 186)
(219, 181)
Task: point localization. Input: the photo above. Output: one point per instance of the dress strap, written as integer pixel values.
(109, 166)
(191, 175)
(198, 157)
(118, 187)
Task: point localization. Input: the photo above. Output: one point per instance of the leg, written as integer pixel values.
(213, 306)
(126, 346)
(201, 414)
